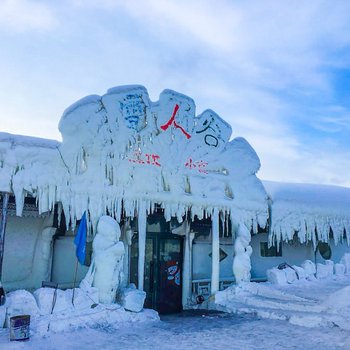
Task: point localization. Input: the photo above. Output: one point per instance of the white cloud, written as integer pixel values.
(324, 167)
(333, 120)
(22, 15)
(262, 66)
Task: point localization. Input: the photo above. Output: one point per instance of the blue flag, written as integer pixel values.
(80, 240)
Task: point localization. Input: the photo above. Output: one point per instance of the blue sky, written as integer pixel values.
(277, 71)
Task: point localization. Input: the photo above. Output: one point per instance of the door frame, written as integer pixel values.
(154, 287)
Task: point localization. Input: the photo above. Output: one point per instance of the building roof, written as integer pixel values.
(310, 210)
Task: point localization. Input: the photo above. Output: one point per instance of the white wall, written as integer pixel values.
(293, 254)
(64, 261)
(22, 265)
(337, 251)
(202, 260)
(22, 235)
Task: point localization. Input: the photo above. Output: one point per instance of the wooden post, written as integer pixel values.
(3, 220)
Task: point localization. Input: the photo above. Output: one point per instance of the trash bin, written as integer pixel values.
(19, 327)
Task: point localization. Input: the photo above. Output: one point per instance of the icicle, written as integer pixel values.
(233, 233)
(227, 217)
(222, 219)
(118, 209)
(187, 185)
(19, 197)
(52, 196)
(59, 213)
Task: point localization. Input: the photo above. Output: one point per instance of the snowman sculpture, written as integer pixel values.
(106, 270)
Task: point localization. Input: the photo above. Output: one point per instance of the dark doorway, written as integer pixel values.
(163, 267)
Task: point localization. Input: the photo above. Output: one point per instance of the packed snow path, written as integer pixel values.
(191, 330)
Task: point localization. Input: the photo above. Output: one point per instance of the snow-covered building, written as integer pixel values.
(194, 217)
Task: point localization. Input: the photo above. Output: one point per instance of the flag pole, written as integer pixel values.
(75, 279)
(80, 252)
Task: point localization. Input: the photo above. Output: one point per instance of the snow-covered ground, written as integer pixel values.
(268, 325)
(191, 331)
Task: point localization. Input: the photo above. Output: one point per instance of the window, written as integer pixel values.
(325, 250)
(265, 251)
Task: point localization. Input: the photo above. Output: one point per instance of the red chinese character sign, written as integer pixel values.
(133, 145)
(172, 122)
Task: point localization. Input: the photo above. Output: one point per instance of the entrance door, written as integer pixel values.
(163, 271)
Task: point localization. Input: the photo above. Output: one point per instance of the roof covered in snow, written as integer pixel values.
(310, 210)
(121, 150)
(27, 165)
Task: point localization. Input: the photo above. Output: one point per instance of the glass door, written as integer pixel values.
(170, 275)
(163, 271)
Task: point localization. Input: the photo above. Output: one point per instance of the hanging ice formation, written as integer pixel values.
(121, 152)
(311, 212)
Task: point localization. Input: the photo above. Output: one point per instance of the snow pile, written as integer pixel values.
(339, 269)
(284, 273)
(345, 260)
(339, 300)
(310, 269)
(310, 211)
(318, 303)
(282, 276)
(54, 310)
(111, 142)
(131, 298)
(325, 270)
(21, 302)
(54, 301)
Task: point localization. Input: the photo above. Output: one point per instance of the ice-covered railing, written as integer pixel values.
(122, 152)
(313, 212)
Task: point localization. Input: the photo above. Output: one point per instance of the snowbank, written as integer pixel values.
(53, 310)
(308, 270)
(318, 303)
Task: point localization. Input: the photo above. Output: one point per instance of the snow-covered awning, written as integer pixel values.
(311, 211)
(121, 152)
(30, 165)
